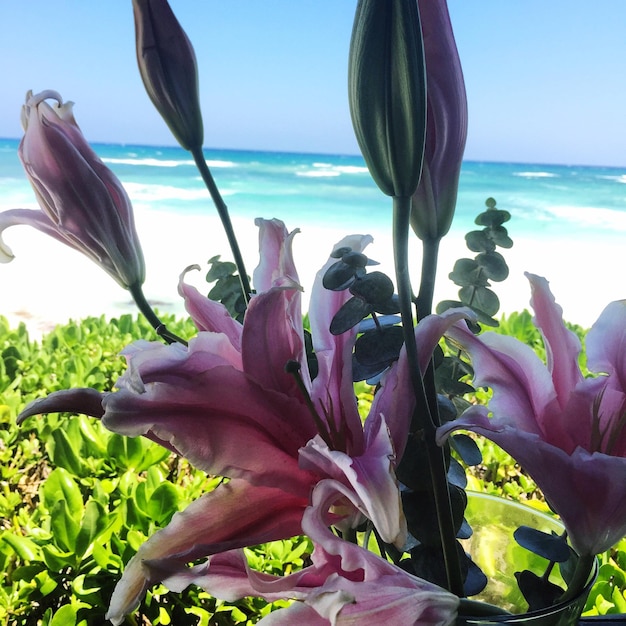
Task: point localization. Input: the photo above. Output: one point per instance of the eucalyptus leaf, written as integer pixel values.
(480, 297)
(475, 581)
(550, 547)
(494, 265)
(380, 347)
(468, 272)
(466, 448)
(479, 241)
(349, 315)
(339, 276)
(375, 288)
(500, 237)
(539, 593)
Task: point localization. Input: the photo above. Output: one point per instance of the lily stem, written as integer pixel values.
(148, 312)
(222, 211)
(422, 419)
(580, 577)
(425, 296)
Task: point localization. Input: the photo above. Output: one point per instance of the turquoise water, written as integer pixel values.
(336, 190)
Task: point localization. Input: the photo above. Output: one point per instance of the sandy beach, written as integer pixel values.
(48, 283)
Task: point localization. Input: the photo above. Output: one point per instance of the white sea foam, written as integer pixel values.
(535, 174)
(591, 217)
(328, 170)
(319, 174)
(618, 179)
(149, 162)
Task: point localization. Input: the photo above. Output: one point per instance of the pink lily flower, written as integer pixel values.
(567, 431)
(346, 584)
(82, 203)
(228, 405)
(434, 201)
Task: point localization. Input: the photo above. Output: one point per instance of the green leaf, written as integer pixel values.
(26, 549)
(94, 441)
(128, 452)
(494, 265)
(550, 547)
(93, 523)
(63, 526)
(467, 272)
(500, 237)
(480, 297)
(60, 486)
(467, 449)
(65, 616)
(163, 503)
(479, 241)
(56, 559)
(64, 453)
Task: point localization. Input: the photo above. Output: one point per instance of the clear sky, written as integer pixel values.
(546, 79)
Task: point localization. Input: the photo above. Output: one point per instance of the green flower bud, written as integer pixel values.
(387, 92)
(167, 64)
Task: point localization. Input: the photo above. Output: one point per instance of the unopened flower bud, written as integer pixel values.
(387, 92)
(82, 202)
(167, 64)
(434, 201)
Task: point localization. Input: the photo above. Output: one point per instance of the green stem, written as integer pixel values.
(148, 312)
(422, 419)
(580, 577)
(222, 211)
(430, 255)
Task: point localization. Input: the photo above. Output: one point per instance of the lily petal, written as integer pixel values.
(333, 390)
(208, 314)
(562, 345)
(235, 514)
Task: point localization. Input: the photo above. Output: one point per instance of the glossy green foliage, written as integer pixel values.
(77, 501)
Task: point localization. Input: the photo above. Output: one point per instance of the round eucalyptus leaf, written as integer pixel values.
(339, 276)
(467, 272)
(367, 372)
(492, 217)
(500, 237)
(493, 265)
(551, 547)
(467, 449)
(389, 307)
(479, 241)
(379, 346)
(349, 315)
(355, 259)
(375, 288)
(480, 297)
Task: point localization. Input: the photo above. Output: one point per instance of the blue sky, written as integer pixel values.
(546, 79)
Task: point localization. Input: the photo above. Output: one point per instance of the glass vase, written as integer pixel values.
(495, 551)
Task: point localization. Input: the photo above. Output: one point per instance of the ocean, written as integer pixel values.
(558, 200)
(571, 217)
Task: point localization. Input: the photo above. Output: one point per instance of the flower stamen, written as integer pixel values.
(293, 368)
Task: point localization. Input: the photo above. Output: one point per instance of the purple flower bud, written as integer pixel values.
(167, 64)
(82, 203)
(446, 129)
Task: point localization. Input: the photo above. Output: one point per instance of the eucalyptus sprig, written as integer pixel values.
(473, 275)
